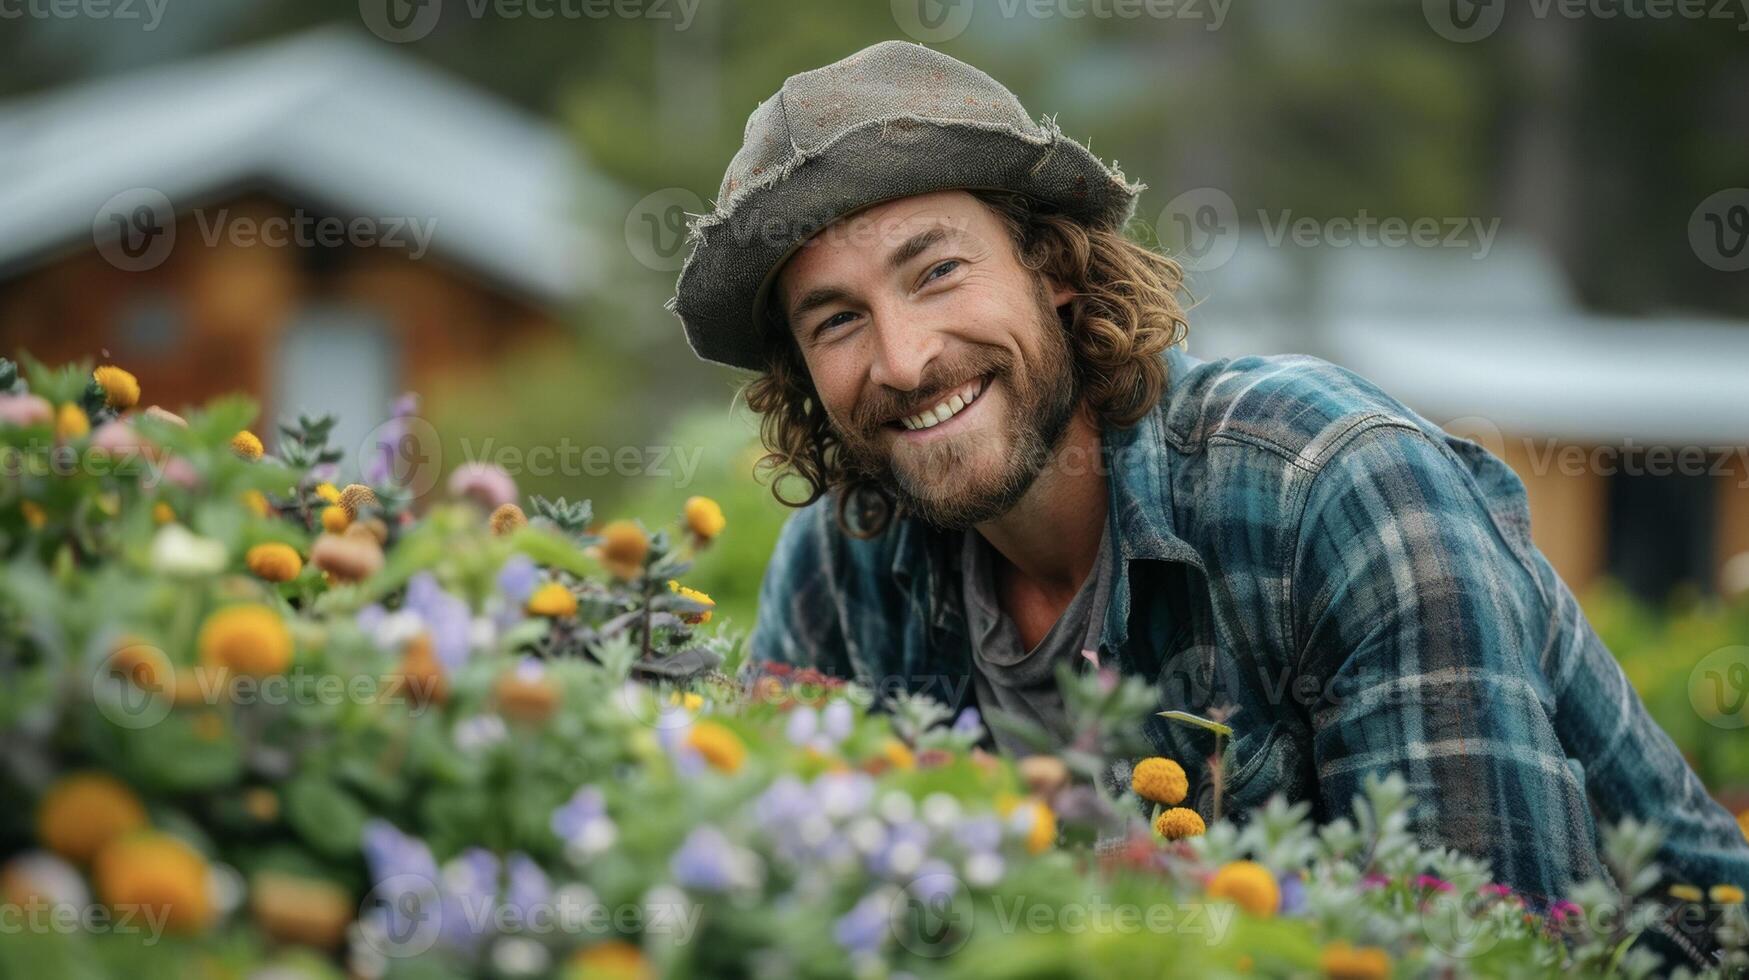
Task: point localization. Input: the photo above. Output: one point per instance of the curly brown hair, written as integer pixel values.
(1123, 318)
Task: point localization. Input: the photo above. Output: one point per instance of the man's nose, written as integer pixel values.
(904, 347)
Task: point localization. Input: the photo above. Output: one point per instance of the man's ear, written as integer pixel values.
(1059, 293)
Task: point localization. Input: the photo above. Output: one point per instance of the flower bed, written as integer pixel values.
(254, 721)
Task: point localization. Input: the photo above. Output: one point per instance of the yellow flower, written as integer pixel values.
(256, 503)
(163, 513)
(1687, 893)
(295, 909)
(1043, 832)
(261, 803)
(506, 519)
(1160, 780)
(623, 547)
(1249, 885)
(1341, 961)
(141, 664)
(34, 515)
(552, 599)
(328, 492)
(247, 444)
(898, 754)
(155, 871)
(1178, 823)
(611, 960)
(120, 388)
(704, 517)
(355, 497)
(1725, 894)
(1743, 822)
(274, 562)
(334, 519)
(71, 422)
(84, 811)
(720, 747)
(696, 596)
(687, 700)
(246, 639)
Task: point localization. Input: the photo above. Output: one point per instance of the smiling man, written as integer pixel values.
(1012, 465)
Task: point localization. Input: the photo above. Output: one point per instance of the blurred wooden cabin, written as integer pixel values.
(322, 221)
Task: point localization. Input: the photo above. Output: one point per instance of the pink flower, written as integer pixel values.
(1430, 882)
(1563, 910)
(486, 484)
(25, 410)
(1374, 880)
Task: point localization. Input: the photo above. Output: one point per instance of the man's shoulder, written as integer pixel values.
(1295, 406)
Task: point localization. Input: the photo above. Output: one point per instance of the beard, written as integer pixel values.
(967, 478)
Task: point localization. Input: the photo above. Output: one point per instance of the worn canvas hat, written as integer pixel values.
(892, 120)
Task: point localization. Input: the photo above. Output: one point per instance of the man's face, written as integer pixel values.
(938, 357)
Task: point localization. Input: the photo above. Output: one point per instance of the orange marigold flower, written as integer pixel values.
(1725, 895)
(722, 748)
(274, 561)
(1160, 780)
(624, 546)
(71, 423)
(246, 639)
(163, 513)
(121, 390)
(84, 811)
(1341, 961)
(247, 445)
(1249, 885)
(506, 519)
(155, 871)
(611, 960)
(552, 599)
(335, 519)
(704, 518)
(1178, 823)
(141, 664)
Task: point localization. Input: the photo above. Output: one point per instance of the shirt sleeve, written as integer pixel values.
(1415, 609)
(799, 620)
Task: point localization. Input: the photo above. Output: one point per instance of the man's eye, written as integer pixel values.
(942, 269)
(834, 320)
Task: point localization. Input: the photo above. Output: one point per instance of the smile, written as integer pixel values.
(948, 408)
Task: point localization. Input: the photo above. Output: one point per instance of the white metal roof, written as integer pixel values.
(351, 124)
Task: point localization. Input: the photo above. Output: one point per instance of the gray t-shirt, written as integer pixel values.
(1021, 682)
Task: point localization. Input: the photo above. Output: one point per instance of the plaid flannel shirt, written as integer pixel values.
(1358, 585)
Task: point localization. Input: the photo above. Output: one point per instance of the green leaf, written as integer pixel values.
(1186, 718)
(330, 819)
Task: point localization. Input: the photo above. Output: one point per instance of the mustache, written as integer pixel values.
(885, 405)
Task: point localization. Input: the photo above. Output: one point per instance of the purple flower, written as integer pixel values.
(864, 928)
(980, 833)
(935, 883)
(837, 720)
(527, 886)
(803, 723)
(708, 862)
(585, 805)
(446, 618)
(518, 578)
(784, 804)
(1293, 894)
(969, 722)
(391, 436)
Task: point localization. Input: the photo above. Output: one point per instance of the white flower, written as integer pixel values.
(180, 552)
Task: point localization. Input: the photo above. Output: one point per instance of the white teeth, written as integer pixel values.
(954, 404)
